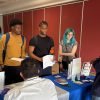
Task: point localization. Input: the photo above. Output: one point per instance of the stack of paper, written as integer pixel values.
(74, 69)
(17, 59)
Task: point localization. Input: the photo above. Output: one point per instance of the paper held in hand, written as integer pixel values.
(48, 60)
(17, 59)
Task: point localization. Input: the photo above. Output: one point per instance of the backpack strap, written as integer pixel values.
(7, 39)
(5, 48)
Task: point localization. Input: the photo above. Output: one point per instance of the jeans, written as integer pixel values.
(12, 75)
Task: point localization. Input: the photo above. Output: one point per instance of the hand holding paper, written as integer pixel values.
(48, 60)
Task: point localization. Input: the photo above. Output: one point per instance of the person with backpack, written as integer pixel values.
(40, 46)
(12, 45)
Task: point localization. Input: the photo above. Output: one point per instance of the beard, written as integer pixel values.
(42, 33)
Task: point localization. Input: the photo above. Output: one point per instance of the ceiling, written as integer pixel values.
(6, 2)
(8, 6)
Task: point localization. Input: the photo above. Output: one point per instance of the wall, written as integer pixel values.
(61, 17)
(1, 22)
(91, 27)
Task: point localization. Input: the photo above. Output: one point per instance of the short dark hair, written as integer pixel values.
(29, 68)
(15, 22)
(43, 23)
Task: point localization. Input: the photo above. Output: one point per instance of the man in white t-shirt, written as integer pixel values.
(33, 88)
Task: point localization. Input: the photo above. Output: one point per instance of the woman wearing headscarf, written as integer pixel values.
(68, 48)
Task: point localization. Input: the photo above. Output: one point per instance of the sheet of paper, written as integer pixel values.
(48, 61)
(69, 71)
(2, 78)
(76, 66)
(17, 59)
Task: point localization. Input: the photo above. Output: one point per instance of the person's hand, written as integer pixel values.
(41, 59)
(52, 51)
(60, 59)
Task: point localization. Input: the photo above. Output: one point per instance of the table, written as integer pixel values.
(76, 91)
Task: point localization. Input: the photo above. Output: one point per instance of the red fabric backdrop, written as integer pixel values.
(71, 17)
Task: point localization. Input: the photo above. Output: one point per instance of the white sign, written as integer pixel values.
(74, 69)
(76, 66)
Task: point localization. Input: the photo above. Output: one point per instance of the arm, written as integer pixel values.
(72, 53)
(32, 55)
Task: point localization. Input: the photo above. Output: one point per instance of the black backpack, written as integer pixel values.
(6, 42)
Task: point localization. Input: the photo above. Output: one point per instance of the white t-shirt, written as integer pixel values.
(33, 89)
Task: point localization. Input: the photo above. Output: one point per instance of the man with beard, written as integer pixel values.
(40, 46)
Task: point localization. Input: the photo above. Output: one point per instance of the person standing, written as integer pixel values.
(68, 48)
(14, 44)
(40, 46)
